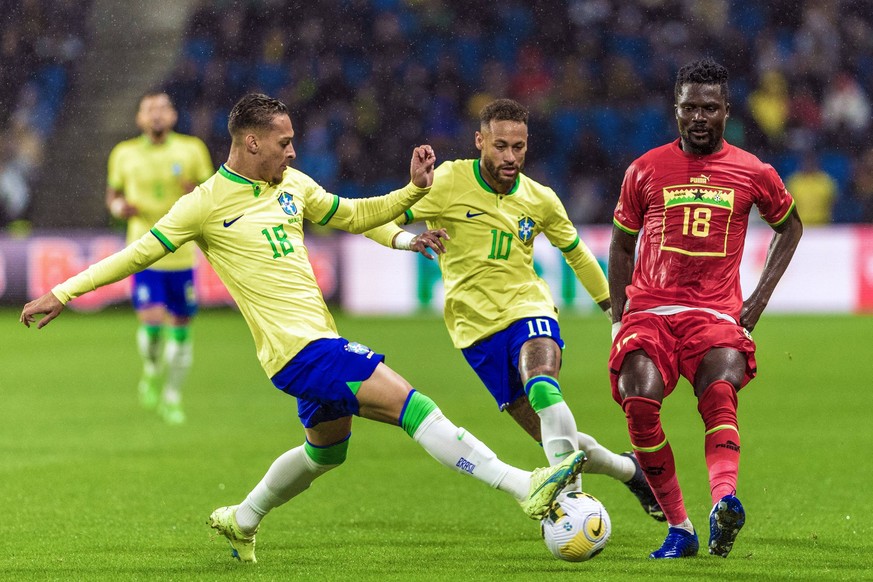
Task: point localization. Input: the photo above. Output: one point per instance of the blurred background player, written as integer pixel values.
(248, 220)
(678, 308)
(498, 311)
(147, 175)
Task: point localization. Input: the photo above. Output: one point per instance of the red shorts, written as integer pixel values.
(677, 344)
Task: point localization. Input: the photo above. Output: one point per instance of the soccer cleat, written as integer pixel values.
(242, 546)
(149, 390)
(547, 483)
(679, 543)
(172, 413)
(640, 488)
(725, 521)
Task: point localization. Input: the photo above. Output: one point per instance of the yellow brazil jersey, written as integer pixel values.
(252, 235)
(488, 269)
(152, 177)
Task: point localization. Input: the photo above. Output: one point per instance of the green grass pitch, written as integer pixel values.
(95, 488)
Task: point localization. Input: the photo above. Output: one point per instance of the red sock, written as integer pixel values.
(655, 455)
(718, 408)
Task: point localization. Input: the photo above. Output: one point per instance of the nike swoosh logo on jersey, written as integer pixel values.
(229, 222)
(474, 214)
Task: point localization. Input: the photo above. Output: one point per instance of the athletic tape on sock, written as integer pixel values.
(415, 410)
(333, 454)
(543, 391)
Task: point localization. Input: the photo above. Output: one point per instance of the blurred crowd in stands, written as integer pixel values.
(366, 80)
(40, 41)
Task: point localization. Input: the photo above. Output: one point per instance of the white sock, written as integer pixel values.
(686, 525)
(603, 461)
(287, 477)
(559, 432)
(149, 346)
(178, 357)
(457, 449)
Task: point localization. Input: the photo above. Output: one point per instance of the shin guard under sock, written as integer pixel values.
(655, 455)
(718, 409)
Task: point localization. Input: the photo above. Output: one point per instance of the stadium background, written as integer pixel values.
(368, 79)
(95, 489)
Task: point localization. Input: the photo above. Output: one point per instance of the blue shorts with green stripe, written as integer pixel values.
(495, 358)
(325, 377)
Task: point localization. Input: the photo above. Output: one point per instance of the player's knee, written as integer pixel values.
(325, 458)
(643, 415)
(718, 404)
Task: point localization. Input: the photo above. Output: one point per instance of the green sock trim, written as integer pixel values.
(152, 331)
(180, 333)
(543, 391)
(329, 455)
(415, 410)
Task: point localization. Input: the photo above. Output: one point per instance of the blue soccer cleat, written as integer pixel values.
(725, 521)
(679, 543)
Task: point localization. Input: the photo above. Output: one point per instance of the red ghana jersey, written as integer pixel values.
(691, 213)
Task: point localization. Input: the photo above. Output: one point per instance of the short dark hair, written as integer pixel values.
(503, 110)
(156, 92)
(703, 72)
(254, 111)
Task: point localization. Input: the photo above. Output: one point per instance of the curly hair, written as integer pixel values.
(254, 111)
(503, 110)
(703, 72)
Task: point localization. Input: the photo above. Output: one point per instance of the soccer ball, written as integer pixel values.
(577, 527)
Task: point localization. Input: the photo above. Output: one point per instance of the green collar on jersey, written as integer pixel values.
(478, 172)
(224, 171)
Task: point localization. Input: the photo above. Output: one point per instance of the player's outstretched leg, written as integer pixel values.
(725, 521)
(640, 488)
(289, 475)
(223, 520)
(680, 543)
(454, 447)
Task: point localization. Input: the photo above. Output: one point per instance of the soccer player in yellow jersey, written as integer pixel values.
(498, 311)
(248, 221)
(147, 175)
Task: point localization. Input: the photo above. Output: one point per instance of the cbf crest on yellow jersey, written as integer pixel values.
(252, 234)
(488, 268)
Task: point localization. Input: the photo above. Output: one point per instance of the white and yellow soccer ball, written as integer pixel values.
(577, 527)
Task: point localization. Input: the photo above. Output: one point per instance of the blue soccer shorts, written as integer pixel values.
(325, 377)
(172, 289)
(495, 358)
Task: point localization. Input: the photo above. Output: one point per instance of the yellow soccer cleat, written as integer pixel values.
(223, 521)
(548, 482)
